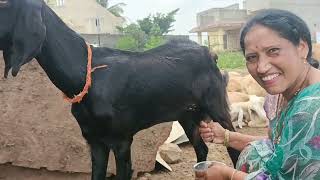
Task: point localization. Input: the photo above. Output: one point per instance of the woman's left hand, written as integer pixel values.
(217, 172)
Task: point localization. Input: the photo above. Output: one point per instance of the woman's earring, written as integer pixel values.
(305, 60)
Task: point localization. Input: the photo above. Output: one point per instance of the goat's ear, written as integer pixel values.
(28, 35)
(225, 77)
(214, 56)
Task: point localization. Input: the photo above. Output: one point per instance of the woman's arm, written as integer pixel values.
(214, 132)
(239, 141)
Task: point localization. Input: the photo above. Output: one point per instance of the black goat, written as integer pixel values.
(176, 81)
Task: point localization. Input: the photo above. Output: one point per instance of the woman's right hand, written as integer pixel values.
(212, 132)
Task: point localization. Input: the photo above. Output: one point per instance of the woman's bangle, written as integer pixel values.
(226, 138)
(233, 174)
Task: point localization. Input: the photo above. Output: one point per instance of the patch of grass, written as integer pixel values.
(231, 60)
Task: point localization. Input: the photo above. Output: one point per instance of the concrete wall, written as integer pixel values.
(106, 40)
(233, 39)
(216, 40)
(218, 14)
(222, 40)
(232, 15)
(110, 40)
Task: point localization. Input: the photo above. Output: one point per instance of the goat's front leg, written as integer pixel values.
(189, 123)
(99, 159)
(99, 151)
(122, 154)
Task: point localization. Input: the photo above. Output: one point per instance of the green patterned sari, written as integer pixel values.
(297, 155)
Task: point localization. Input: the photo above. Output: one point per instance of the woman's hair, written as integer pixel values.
(285, 23)
(314, 63)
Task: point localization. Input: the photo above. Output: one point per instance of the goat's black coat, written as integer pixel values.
(176, 81)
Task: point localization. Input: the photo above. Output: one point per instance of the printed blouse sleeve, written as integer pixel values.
(297, 156)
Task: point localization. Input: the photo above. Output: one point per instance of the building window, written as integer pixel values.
(60, 2)
(96, 24)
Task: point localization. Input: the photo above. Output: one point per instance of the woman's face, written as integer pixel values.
(274, 62)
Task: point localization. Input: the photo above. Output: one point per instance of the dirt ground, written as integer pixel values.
(40, 140)
(183, 169)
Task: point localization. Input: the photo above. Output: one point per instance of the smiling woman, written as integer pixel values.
(132, 92)
(275, 63)
(277, 48)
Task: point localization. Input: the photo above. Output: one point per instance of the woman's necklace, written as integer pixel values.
(278, 132)
(280, 105)
(280, 125)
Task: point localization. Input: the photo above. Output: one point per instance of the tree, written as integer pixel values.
(148, 33)
(103, 3)
(163, 21)
(116, 9)
(132, 31)
(146, 24)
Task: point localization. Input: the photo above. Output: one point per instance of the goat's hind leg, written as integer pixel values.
(190, 123)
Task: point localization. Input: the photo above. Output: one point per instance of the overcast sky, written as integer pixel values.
(185, 18)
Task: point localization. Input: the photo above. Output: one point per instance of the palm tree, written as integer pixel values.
(116, 9)
(103, 3)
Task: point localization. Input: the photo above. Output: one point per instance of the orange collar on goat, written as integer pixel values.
(77, 98)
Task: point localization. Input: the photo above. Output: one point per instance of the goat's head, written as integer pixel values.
(22, 32)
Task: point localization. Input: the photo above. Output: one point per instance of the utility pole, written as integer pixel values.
(98, 29)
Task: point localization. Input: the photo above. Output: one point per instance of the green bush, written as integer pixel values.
(231, 60)
(154, 41)
(127, 43)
